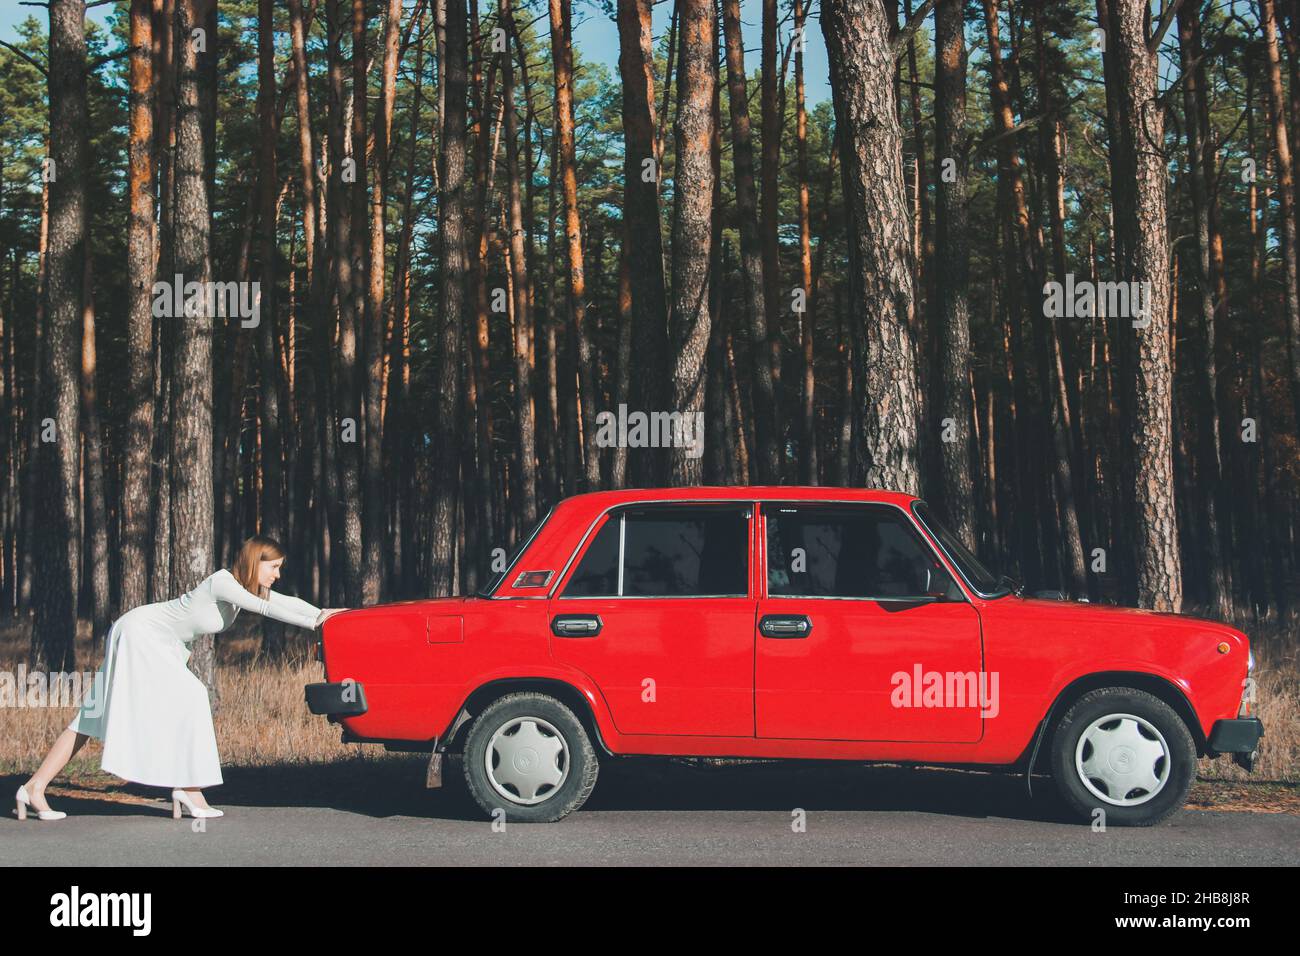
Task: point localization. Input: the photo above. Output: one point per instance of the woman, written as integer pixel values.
(149, 709)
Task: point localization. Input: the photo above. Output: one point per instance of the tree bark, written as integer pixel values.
(562, 54)
(862, 86)
(451, 319)
(1214, 555)
(58, 455)
(524, 413)
(643, 242)
(1141, 218)
(692, 237)
(140, 278)
(952, 249)
(192, 509)
(752, 247)
(1285, 192)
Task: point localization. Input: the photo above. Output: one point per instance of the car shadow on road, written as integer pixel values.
(393, 785)
(688, 784)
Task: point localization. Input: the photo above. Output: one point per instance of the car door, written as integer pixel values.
(862, 633)
(658, 611)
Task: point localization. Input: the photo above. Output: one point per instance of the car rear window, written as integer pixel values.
(667, 552)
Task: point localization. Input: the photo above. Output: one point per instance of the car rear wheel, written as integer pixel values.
(527, 757)
(1123, 751)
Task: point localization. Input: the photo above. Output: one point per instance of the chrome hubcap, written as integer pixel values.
(527, 760)
(1122, 759)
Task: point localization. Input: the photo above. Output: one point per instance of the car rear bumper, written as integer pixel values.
(1239, 737)
(342, 699)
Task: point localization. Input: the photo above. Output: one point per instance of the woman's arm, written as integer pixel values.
(226, 588)
(286, 602)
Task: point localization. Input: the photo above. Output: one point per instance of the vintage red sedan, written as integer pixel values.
(788, 622)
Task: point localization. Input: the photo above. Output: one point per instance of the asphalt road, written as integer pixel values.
(643, 813)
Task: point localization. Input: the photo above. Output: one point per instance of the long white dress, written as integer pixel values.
(149, 709)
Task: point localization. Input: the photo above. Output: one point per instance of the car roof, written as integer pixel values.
(573, 517)
(600, 500)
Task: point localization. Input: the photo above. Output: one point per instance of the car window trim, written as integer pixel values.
(989, 595)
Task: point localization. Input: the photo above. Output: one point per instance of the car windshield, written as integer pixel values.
(984, 581)
(494, 582)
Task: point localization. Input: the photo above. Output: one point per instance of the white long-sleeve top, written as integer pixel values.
(216, 601)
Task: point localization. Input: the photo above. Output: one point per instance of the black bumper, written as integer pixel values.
(344, 699)
(1239, 737)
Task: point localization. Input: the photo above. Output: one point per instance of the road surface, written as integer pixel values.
(643, 813)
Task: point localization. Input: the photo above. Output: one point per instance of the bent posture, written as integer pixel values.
(147, 706)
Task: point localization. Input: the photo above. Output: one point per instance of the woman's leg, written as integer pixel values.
(64, 749)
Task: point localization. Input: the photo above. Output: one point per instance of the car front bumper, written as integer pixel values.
(1239, 737)
(342, 699)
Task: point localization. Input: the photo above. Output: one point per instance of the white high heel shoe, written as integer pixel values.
(181, 798)
(23, 801)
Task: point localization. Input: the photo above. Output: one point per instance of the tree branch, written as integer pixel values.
(904, 36)
(1166, 18)
(9, 46)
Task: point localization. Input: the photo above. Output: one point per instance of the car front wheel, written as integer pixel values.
(528, 759)
(1124, 752)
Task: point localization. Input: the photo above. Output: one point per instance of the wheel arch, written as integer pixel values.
(487, 693)
(1153, 684)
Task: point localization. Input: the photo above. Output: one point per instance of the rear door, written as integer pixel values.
(862, 633)
(658, 611)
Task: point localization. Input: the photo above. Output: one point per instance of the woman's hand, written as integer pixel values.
(329, 612)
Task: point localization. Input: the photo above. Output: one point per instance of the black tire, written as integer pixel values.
(1178, 746)
(578, 759)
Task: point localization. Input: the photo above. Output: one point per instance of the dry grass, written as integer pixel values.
(262, 719)
(1276, 645)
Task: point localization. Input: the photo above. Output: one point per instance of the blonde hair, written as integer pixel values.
(257, 548)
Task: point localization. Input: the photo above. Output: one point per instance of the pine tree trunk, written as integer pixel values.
(451, 318)
(752, 247)
(643, 242)
(140, 277)
(1213, 555)
(58, 555)
(862, 85)
(373, 531)
(1141, 219)
(562, 54)
(192, 508)
(809, 471)
(692, 236)
(524, 414)
(1285, 191)
(952, 248)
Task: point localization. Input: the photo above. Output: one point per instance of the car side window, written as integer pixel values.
(597, 573)
(667, 552)
(852, 552)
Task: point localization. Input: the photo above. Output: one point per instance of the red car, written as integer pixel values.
(826, 623)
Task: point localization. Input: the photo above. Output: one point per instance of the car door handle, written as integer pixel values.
(576, 625)
(785, 625)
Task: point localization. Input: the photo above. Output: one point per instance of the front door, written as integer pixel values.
(862, 634)
(658, 611)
